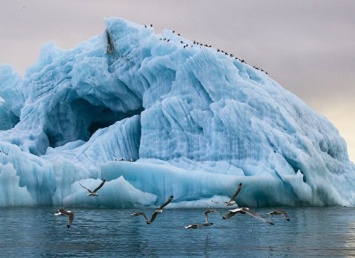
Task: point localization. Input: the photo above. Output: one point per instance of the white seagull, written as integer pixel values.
(232, 199)
(279, 212)
(156, 212)
(70, 214)
(94, 193)
(245, 210)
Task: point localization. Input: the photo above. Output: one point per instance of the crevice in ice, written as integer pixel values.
(201, 90)
(81, 121)
(324, 147)
(295, 167)
(8, 119)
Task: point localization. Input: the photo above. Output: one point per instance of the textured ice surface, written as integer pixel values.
(195, 121)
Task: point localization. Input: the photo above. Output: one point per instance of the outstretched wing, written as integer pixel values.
(236, 192)
(86, 188)
(154, 215)
(140, 214)
(167, 202)
(209, 211)
(71, 218)
(64, 211)
(257, 216)
(285, 215)
(206, 215)
(229, 215)
(97, 188)
(279, 212)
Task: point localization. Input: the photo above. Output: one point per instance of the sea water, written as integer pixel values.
(35, 232)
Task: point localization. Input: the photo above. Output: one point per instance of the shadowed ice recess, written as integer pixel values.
(195, 121)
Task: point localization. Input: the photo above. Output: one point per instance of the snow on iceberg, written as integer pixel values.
(195, 121)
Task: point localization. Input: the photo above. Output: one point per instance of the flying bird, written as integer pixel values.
(207, 223)
(94, 193)
(279, 212)
(232, 199)
(245, 210)
(193, 226)
(70, 214)
(156, 212)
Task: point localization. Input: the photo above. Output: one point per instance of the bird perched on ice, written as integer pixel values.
(156, 212)
(70, 214)
(232, 199)
(245, 210)
(279, 212)
(94, 193)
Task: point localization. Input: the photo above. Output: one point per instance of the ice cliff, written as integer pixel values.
(195, 120)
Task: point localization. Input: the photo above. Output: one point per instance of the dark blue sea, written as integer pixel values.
(311, 232)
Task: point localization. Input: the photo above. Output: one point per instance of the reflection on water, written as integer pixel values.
(108, 232)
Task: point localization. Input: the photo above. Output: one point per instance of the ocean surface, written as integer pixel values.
(35, 232)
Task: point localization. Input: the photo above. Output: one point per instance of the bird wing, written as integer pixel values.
(257, 216)
(206, 215)
(71, 218)
(229, 214)
(85, 188)
(283, 213)
(279, 212)
(154, 215)
(236, 192)
(167, 202)
(208, 211)
(64, 211)
(286, 215)
(140, 214)
(97, 188)
(58, 212)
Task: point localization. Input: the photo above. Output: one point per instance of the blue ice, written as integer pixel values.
(155, 118)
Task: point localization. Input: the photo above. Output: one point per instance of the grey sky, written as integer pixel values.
(308, 46)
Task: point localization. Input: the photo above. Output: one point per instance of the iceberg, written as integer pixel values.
(156, 115)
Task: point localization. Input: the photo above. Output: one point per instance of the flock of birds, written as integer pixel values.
(70, 214)
(199, 44)
(159, 210)
(110, 46)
